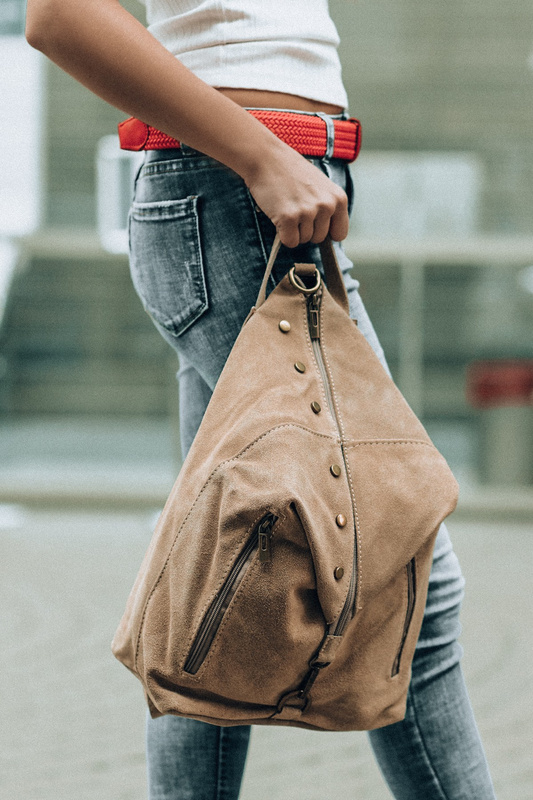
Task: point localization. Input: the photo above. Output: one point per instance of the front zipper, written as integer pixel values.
(313, 320)
(259, 539)
(313, 317)
(313, 323)
(411, 599)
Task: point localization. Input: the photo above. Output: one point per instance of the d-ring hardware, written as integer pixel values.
(296, 282)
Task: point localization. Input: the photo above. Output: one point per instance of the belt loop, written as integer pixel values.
(330, 133)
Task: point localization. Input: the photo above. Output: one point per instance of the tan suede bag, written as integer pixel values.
(286, 580)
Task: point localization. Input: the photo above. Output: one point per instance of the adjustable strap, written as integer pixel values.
(334, 279)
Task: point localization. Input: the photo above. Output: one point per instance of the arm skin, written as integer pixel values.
(110, 52)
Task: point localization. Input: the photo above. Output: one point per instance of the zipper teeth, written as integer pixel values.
(322, 369)
(213, 618)
(411, 596)
(208, 627)
(347, 608)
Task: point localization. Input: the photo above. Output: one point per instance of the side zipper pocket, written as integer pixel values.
(259, 539)
(411, 599)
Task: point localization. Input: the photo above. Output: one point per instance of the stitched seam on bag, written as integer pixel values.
(374, 442)
(227, 569)
(332, 384)
(358, 556)
(204, 487)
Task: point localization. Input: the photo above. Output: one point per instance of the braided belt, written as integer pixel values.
(310, 135)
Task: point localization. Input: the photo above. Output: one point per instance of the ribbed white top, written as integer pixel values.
(277, 45)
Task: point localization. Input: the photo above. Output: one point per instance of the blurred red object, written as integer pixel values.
(500, 382)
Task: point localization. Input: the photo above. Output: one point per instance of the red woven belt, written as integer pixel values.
(306, 133)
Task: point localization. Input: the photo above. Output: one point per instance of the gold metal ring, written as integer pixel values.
(300, 286)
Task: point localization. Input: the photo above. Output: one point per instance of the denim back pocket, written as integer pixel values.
(166, 261)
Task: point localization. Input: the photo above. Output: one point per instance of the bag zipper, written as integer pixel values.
(411, 598)
(313, 319)
(259, 539)
(301, 695)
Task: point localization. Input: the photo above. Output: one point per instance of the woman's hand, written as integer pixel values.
(110, 52)
(302, 202)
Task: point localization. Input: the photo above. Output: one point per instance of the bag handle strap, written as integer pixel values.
(334, 279)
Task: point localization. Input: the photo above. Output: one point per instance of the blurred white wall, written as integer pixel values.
(416, 193)
(21, 133)
(116, 170)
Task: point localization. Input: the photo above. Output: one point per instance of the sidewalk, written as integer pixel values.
(73, 717)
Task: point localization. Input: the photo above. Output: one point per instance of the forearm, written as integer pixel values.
(110, 52)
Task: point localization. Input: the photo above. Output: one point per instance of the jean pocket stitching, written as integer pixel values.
(154, 272)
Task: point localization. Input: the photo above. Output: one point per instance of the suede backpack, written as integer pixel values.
(286, 579)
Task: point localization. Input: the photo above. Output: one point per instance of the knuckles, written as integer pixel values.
(322, 211)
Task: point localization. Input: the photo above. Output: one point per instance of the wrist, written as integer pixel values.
(265, 155)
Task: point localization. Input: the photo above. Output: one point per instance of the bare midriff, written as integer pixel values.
(258, 98)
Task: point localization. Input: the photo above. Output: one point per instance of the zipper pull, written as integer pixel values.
(313, 316)
(265, 538)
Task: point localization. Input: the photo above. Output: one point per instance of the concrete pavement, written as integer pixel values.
(73, 717)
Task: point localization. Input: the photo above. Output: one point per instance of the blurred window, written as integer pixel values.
(12, 17)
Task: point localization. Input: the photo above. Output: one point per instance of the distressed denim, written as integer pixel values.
(198, 250)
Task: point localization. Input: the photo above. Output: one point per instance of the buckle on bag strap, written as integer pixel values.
(307, 270)
(334, 279)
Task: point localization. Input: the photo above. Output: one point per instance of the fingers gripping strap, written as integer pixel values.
(334, 279)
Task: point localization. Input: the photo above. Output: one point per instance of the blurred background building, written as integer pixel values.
(442, 244)
(441, 241)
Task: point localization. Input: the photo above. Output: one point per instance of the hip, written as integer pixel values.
(198, 245)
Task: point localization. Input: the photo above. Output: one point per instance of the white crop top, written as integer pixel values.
(277, 45)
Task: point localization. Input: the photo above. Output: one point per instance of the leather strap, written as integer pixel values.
(334, 279)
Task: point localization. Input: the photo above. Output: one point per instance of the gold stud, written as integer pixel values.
(299, 367)
(317, 408)
(338, 572)
(285, 326)
(335, 470)
(341, 520)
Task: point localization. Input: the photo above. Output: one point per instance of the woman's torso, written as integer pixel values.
(269, 53)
